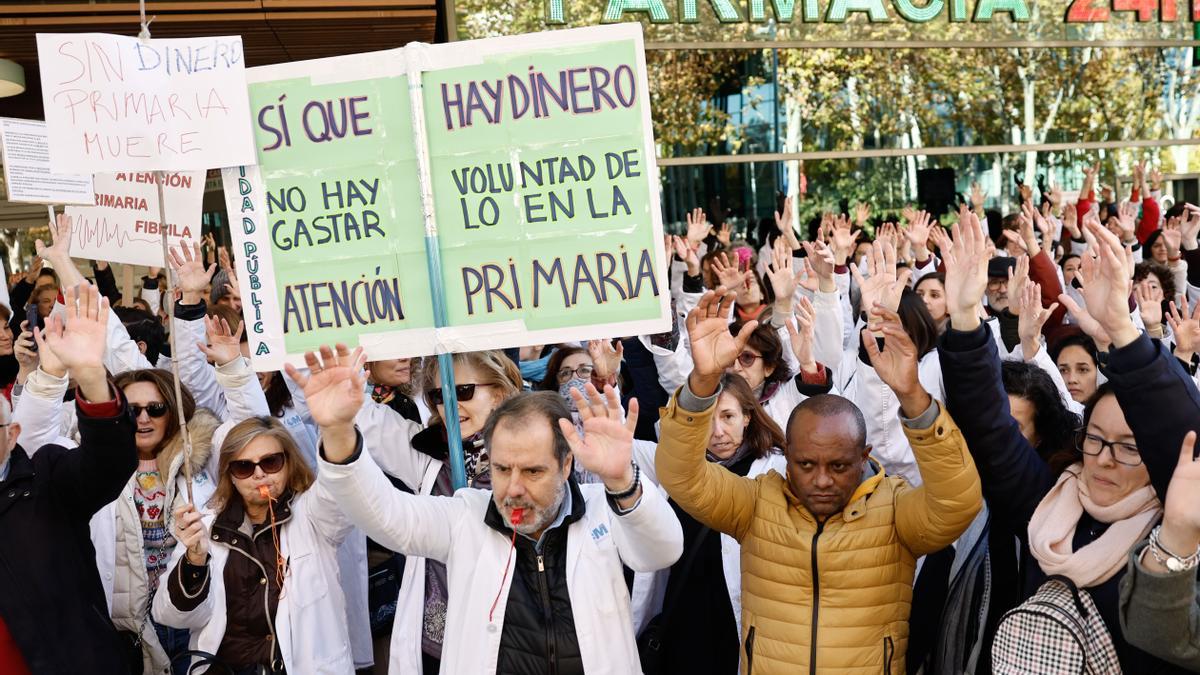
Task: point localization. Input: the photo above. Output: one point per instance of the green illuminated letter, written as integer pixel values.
(874, 8)
(919, 14)
(725, 11)
(617, 8)
(784, 9)
(985, 9)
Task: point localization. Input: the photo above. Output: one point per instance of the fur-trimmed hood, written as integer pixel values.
(201, 427)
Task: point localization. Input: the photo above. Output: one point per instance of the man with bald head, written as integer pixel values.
(829, 552)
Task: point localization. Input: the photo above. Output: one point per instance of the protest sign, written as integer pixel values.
(123, 224)
(117, 103)
(27, 174)
(544, 190)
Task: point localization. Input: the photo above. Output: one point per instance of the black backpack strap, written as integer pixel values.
(1066, 581)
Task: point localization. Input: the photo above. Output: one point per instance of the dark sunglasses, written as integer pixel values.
(464, 392)
(154, 410)
(244, 468)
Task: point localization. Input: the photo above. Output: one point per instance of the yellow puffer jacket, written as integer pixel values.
(850, 576)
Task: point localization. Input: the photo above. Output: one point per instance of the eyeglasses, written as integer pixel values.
(584, 372)
(1122, 453)
(464, 392)
(155, 410)
(244, 468)
(746, 359)
(997, 282)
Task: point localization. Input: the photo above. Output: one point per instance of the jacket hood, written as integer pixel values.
(201, 427)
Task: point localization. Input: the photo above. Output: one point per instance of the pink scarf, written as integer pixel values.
(1053, 527)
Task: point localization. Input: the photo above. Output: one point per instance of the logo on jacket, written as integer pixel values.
(599, 533)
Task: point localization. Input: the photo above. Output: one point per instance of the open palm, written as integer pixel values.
(334, 385)
(1181, 513)
(606, 445)
(713, 347)
(79, 344)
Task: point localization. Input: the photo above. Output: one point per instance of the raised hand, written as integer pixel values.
(821, 263)
(686, 253)
(35, 268)
(782, 275)
(966, 271)
(783, 223)
(978, 196)
(1086, 322)
(882, 286)
(191, 533)
(862, 213)
(918, 233)
(1139, 174)
(59, 251)
(697, 226)
(1127, 220)
(223, 259)
(1106, 272)
(1055, 195)
(606, 445)
(1029, 219)
(79, 344)
(843, 240)
(1190, 228)
(1031, 317)
(1186, 329)
(896, 363)
(1149, 302)
(1172, 236)
(724, 233)
(606, 359)
(714, 349)
(223, 344)
(190, 272)
(800, 334)
(1070, 221)
(333, 386)
(728, 275)
(1180, 532)
(1018, 276)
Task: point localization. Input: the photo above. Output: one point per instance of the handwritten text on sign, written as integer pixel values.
(115, 102)
(123, 226)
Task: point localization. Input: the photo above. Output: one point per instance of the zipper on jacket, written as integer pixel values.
(750, 651)
(544, 590)
(816, 577)
(888, 649)
(266, 597)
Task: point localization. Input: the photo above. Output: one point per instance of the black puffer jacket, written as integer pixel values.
(539, 627)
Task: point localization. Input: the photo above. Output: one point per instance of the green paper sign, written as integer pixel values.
(542, 181)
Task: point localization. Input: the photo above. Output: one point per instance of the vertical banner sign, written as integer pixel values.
(544, 185)
(122, 226)
(119, 103)
(27, 176)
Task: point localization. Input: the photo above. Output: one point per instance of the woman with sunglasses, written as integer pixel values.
(419, 459)
(1079, 514)
(254, 582)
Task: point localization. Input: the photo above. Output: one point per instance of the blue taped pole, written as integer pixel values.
(433, 258)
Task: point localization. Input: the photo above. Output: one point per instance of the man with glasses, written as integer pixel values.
(53, 613)
(998, 270)
(534, 565)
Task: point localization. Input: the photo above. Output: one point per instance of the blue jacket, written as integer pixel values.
(1159, 401)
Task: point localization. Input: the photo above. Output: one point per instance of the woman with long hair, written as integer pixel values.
(692, 611)
(255, 580)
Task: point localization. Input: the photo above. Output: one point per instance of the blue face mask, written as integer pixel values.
(534, 371)
(564, 390)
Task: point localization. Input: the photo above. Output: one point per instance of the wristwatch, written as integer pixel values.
(1173, 562)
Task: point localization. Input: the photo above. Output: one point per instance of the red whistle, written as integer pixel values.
(517, 516)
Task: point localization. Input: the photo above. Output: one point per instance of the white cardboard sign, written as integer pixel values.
(122, 226)
(117, 103)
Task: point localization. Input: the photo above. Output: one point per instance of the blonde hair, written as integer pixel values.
(493, 367)
(300, 476)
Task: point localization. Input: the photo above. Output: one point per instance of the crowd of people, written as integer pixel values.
(881, 444)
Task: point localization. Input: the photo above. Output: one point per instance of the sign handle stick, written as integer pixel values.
(169, 301)
(433, 261)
